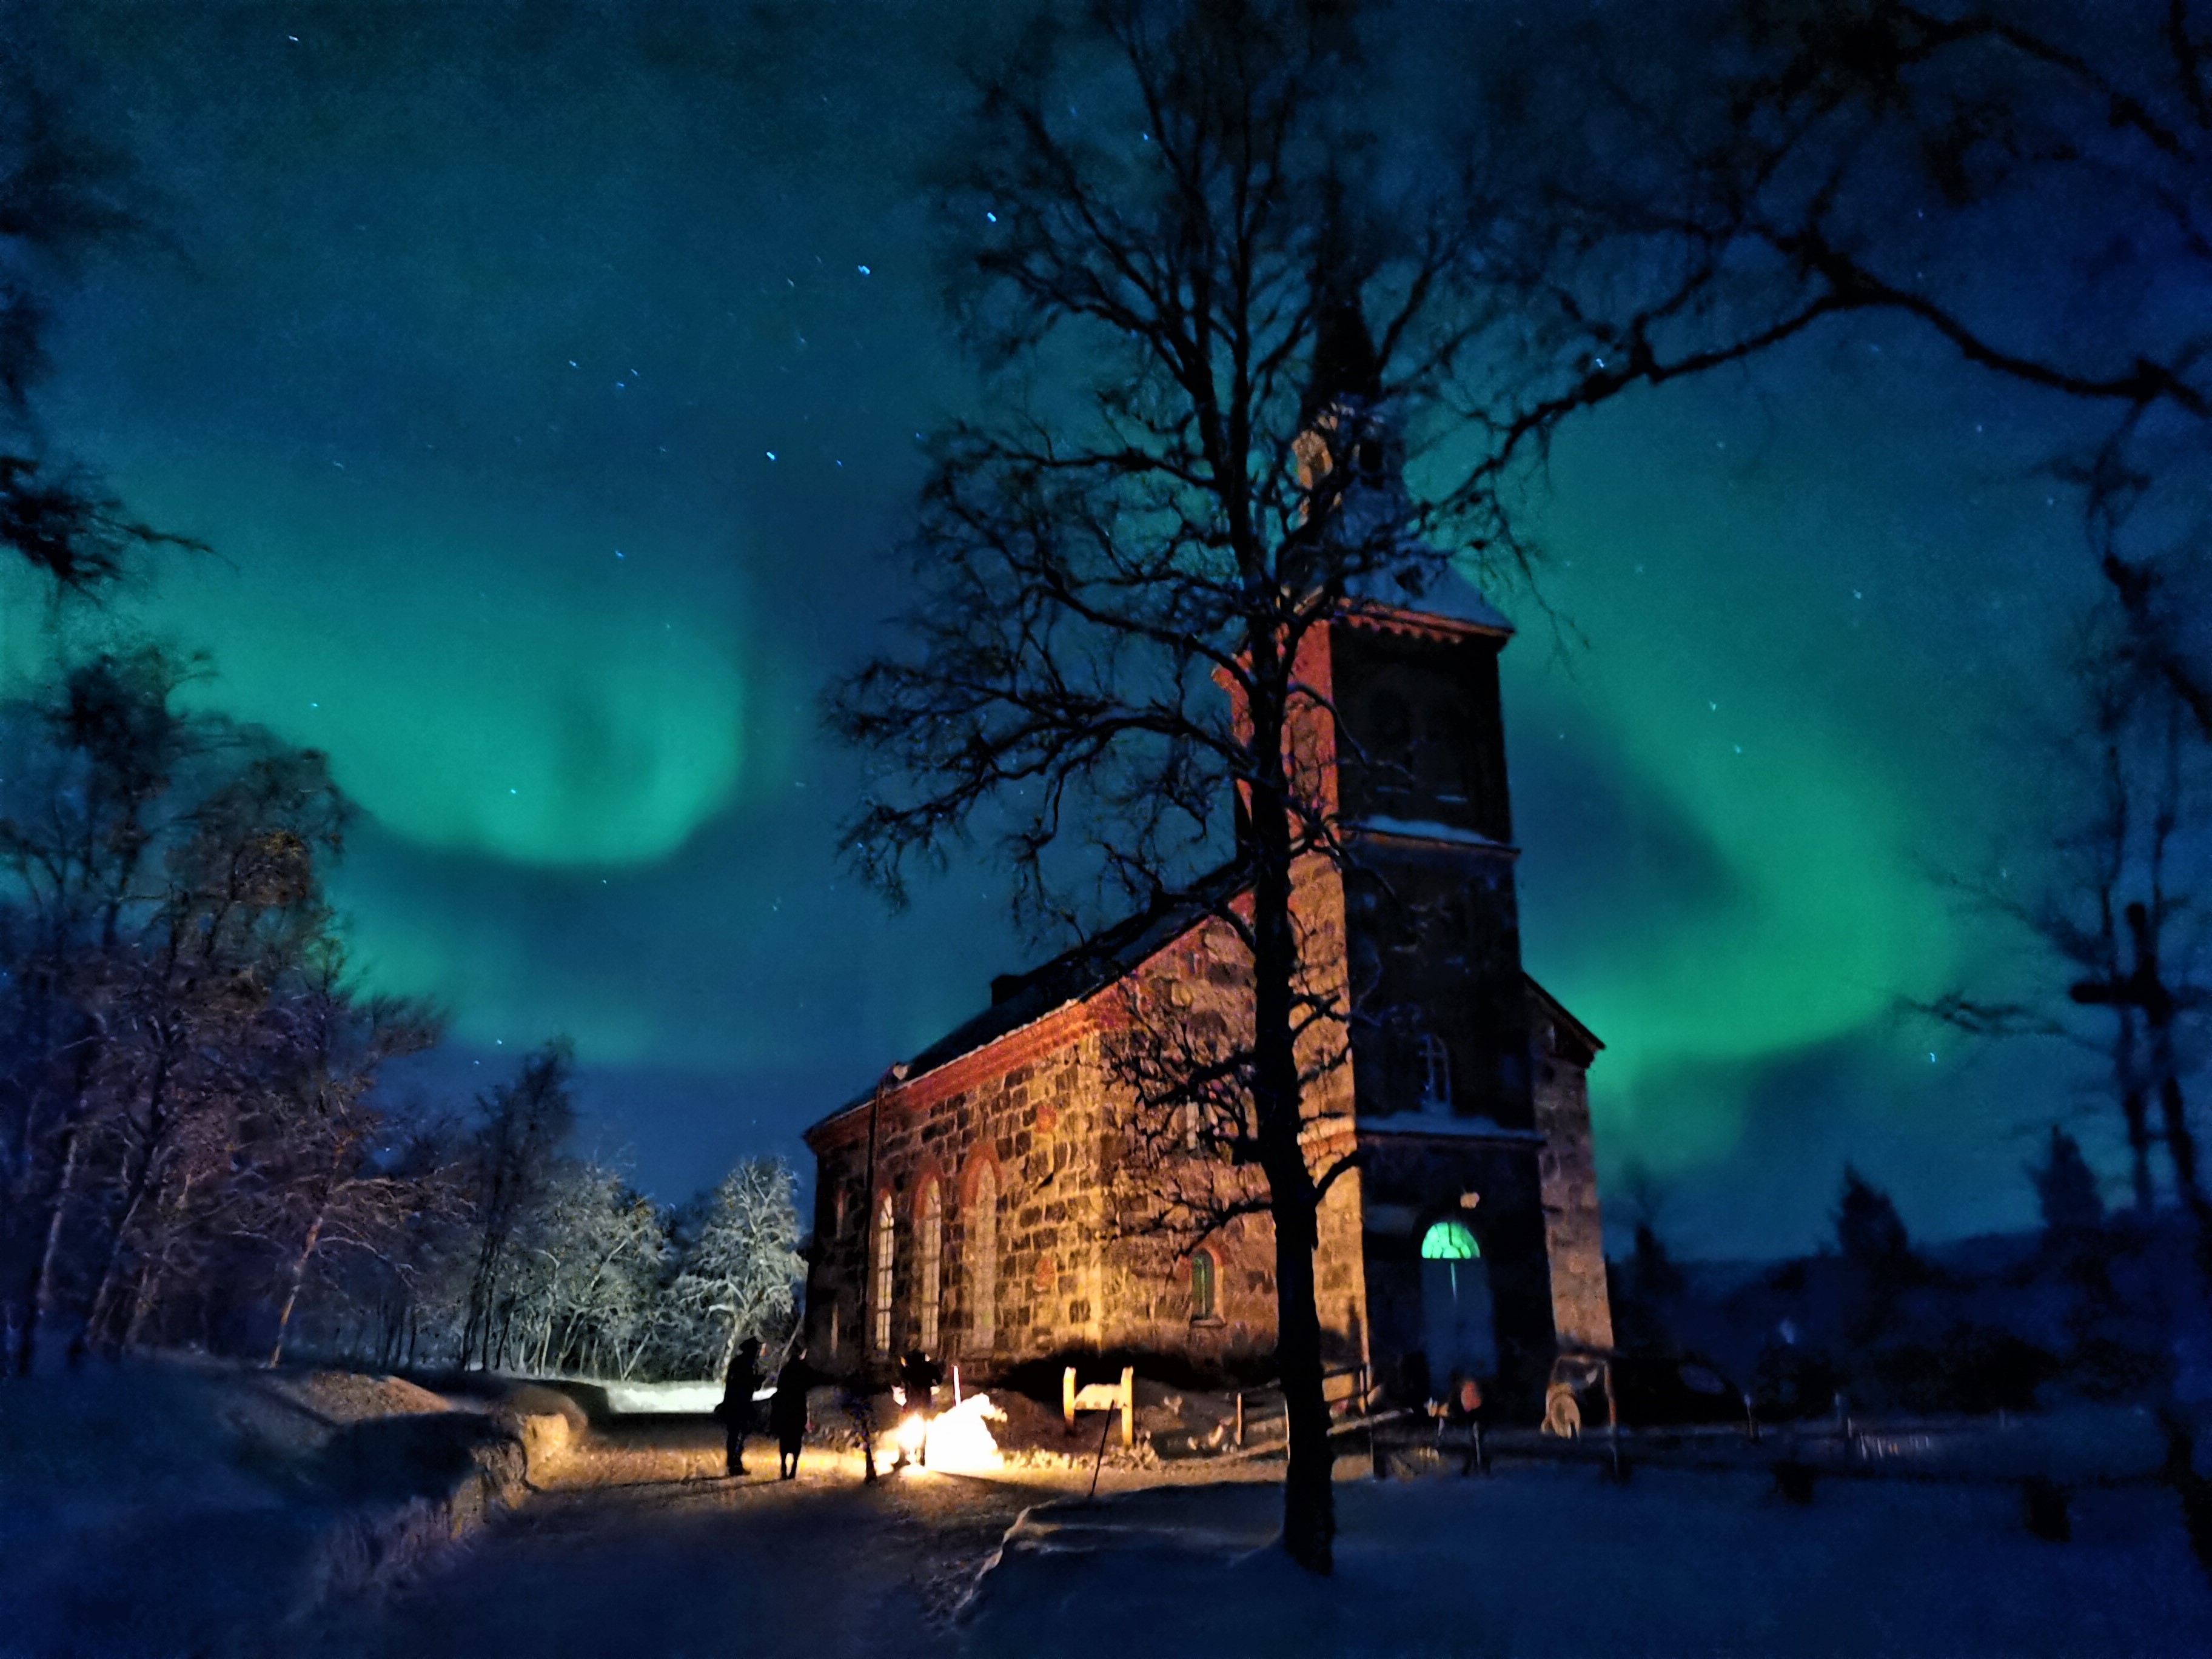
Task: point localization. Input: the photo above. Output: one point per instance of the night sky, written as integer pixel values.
(548, 381)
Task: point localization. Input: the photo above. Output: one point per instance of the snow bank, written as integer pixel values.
(1539, 1562)
(163, 1508)
(663, 1399)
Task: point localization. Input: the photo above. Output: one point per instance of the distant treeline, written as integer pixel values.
(193, 1147)
(2095, 1305)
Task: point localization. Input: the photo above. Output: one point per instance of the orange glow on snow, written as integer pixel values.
(960, 1440)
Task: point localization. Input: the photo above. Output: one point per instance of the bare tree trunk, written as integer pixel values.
(154, 1270)
(141, 1303)
(2180, 1143)
(1309, 1501)
(111, 1277)
(483, 1288)
(292, 1289)
(141, 1182)
(1309, 1498)
(42, 1285)
(2136, 1111)
(39, 1306)
(2181, 1148)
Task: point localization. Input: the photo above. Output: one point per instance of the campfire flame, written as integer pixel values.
(911, 1433)
(957, 1442)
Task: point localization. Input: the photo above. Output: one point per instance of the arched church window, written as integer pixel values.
(929, 1256)
(879, 1276)
(1449, 1241)
(1432, 1068)
(980, 1249)
(1201, 1284)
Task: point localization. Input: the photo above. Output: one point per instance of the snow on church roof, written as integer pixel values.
(1446, 595)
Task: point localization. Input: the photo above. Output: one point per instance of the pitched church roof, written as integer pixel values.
(1021, 999)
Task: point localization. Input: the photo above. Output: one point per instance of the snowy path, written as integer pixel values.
(821, 1566)
(1538, 1561)
(1548, 1563)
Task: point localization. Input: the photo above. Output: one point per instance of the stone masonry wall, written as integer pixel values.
(1581, 1311)
(1207, 976)
(1036, 1125)
(1041, 1108)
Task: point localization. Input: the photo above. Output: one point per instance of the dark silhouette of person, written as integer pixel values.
(1464, 1408)
(787, 1412)
(918, 1375)
(860, 1413)
(736, 1411)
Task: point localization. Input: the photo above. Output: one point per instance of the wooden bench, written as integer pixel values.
(1102, 1397)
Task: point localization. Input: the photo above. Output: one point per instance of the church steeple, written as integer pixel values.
(1347, 372)
(1347, 447)
(1344, 384)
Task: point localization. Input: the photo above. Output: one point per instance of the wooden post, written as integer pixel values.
(1128, 1406)
(1240, 1419)
(1067, 1396)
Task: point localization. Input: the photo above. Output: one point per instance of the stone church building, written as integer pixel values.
(976, 1205)
(965, 1207)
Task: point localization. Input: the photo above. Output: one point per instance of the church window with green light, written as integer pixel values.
(1449, 1241)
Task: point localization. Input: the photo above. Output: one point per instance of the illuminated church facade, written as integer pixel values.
(969, 1207)
(976, 1205)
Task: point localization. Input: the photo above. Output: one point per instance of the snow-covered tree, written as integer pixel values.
(323, 1185)
(740, 1272)
(588, 1284)
(517, 1156)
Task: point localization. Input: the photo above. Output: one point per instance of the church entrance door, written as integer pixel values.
(1459, 1327)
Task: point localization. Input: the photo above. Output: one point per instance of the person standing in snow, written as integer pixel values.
(787, 1412)
(736, 1411)
(861, 1412)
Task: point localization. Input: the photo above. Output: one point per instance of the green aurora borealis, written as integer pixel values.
(521, 365)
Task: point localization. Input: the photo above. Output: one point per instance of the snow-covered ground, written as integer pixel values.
(164, 1511)
(818, 1568)
(173, 1507)
(1552, 1561)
